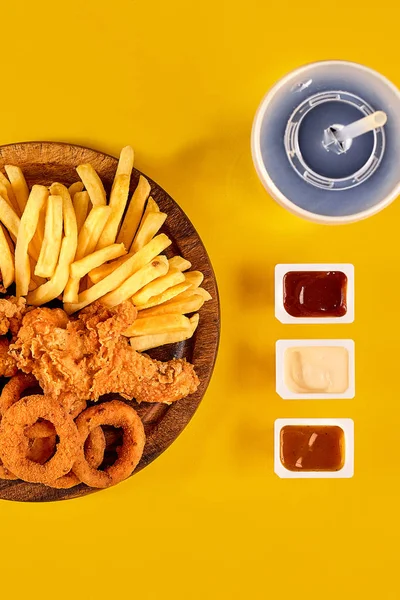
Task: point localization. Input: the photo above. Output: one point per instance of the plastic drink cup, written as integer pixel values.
(304, 161)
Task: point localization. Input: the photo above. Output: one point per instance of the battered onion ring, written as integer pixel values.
(40, 429)
(6, 474)
(94, 453)
(41, 449)
(14, 389)
(116, 414)
(77, 407)
(12, 392)
(14, 444)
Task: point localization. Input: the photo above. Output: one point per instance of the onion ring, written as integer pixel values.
(14, 445)
(77, 407)
(12, 392)
(42, 433)
(94, 453)
(6, 474)
(41, 449)
(116, 414)
(43, 429)
(40, 429)
(14, 389)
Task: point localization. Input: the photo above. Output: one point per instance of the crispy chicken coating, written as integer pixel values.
(88, 357)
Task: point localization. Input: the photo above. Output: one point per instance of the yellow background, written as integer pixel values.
(180, 81)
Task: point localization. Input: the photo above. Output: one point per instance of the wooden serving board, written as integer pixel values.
(46, 162)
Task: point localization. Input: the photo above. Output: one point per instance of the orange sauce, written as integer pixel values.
(312, 447)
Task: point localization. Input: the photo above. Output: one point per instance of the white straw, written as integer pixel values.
(377, 119)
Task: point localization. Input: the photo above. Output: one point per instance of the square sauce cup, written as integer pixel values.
(314, 293)
(315, 369)
(314, 448)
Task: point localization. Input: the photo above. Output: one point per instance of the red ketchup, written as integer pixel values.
(315, 293)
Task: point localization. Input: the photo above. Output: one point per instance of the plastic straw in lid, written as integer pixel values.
(364, 125)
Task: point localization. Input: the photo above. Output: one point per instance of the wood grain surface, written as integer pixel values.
(46, 162)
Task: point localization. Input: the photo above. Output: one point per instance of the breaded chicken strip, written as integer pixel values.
(88, 356)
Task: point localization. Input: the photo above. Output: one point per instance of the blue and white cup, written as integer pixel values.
(304, 174)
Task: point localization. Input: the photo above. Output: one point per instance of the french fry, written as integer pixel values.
(157, 324)
(91, 230)
(196, 291)
(8, 215)
(51, 246)
(134, 213)
(71, 290)
(74, 188)
(81, 267)
(151, 206)
(11, 222)
(38, 236)
(165, 296)
(27, 228)
(93, 184)
(179, 263)
(125, 163)
(148, 229)
(19, 186)
(118, 200)
(118, 197)
(11, 196)
(194, 321)
(6, 260)
(195, 278)
(55, 286)
(146, 342)
(182, 307)
(9, 218)
(10, 243)
(35, 279)
(156, 268)
(81, 202)
(87, 240)
(4, 194)
(202, 292)
(39, 233)
(158, 286)
(100, 273)
(120, 274)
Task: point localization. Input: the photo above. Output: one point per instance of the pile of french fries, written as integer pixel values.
(74, 244)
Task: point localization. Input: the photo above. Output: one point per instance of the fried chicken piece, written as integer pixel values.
(11, 312)
(8, 366)
(135, 375)
(88, 357)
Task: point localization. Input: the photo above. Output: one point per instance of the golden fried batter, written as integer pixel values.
(88, 357)
(8, 367)
(11, 312)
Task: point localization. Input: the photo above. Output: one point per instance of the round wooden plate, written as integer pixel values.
(46, 162)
